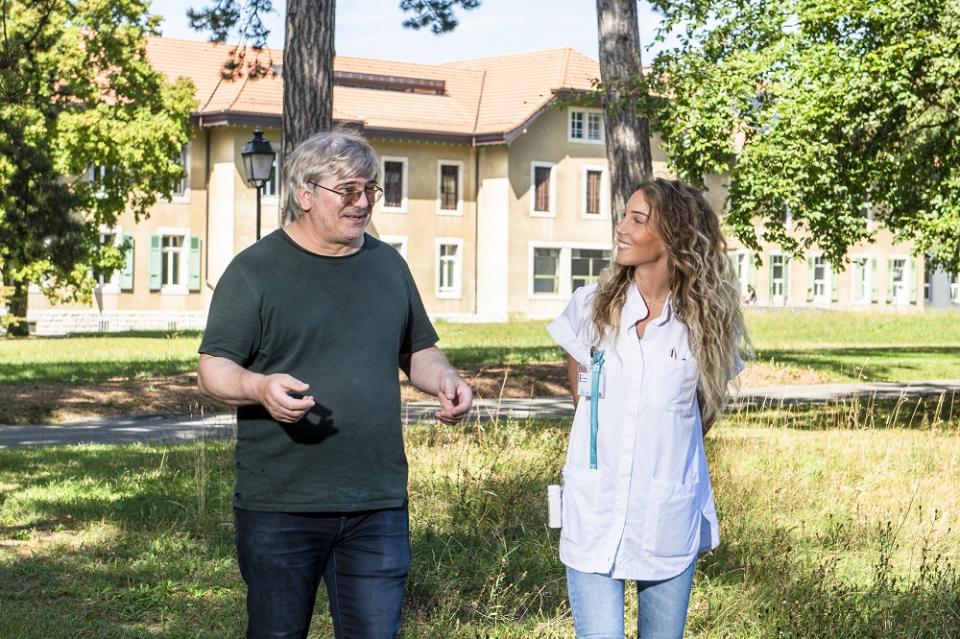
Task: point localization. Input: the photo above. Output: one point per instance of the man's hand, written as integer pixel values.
(230, 383)
(283, 397)
(430, 372)
(455, 398)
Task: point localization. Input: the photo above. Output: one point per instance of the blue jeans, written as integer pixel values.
(597, 605)
(363, 558)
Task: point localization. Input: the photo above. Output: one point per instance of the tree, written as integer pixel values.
(821, 111)
(76, 91)
(624, 99)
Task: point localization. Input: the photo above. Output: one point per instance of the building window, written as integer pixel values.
(394, 171)
(779, 279)
(822, 285)
(821, 282)
(174, 261)
(546, 271)
(585, 125)
(172, 255)
(543, 189)
(740, 261)
(449, 188)
(107, 281)
(593, 181)
(900, 281)
(927, 281)
(449, 267)
(954, 287)
(181, 191)
(862, 272)
(271, 188)
(585, 266)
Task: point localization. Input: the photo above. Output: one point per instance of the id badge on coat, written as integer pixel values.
(585, 382)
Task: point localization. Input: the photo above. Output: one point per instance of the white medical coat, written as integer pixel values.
(647, 510)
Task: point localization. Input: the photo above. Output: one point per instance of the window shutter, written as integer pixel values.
(874, 281)
(889, 281)
(770, 278)
(834, 284)
(126, 275)
(809, 279)
(857, 272)
(787, 264)
(194, 263)
(912, 278)
(156, 262)
(751, 271)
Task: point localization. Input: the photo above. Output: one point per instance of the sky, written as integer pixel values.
(372, 29)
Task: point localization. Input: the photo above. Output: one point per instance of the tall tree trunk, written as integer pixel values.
(307, 70)
(17, 311)
(627, 134)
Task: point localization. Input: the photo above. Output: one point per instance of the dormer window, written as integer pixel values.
(585, 125)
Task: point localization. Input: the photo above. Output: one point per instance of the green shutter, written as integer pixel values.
(126, 275)
(787, 265)
(156, 263)
(889, 280)
(809, 279)
(874, 281)
(912, 278)
(770, 278)
(751, 271)
(858, 272)
(194, 263)
(834, 284)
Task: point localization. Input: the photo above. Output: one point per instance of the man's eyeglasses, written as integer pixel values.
(349, 197)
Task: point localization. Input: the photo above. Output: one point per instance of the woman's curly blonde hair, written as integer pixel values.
(703, 287)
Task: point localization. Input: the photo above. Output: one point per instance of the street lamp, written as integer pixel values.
(258, 156)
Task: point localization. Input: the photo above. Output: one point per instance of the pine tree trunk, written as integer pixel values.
(17, 311)
(627, 135)
(307, 70)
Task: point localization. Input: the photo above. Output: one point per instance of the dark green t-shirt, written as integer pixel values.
(341, 325)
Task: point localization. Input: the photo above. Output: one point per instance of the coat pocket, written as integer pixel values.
(580, 494)
(672, 520)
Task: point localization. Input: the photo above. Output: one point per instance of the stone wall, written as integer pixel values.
(63, 322)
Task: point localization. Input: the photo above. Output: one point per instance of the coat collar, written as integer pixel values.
(635, 310)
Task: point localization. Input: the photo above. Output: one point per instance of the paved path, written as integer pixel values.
(176, 427)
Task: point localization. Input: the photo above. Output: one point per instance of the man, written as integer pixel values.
(306, 330)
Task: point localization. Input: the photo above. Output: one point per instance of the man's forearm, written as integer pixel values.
(426, 367)
(228, 382)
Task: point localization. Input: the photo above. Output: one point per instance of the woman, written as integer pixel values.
(651, 349)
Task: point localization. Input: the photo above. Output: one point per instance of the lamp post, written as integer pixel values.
(258, 156)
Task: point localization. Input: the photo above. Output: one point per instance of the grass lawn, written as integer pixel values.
(834, 345)
(828, 531)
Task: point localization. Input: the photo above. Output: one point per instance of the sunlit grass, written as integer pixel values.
(836, 345)
(836, 522)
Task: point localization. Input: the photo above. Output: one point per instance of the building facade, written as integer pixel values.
(496, 193)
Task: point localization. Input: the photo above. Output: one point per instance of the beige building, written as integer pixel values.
(496, 193)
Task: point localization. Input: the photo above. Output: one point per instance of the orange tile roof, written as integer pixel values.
(482, 97)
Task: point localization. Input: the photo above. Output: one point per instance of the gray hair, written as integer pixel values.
(339, 152)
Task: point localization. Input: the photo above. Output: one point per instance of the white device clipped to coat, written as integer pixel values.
(554, 505)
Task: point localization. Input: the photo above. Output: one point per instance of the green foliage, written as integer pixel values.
(77, 91)
(826, 109)
(436, 14)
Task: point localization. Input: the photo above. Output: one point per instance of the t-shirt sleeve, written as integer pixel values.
(233, 322)
(420, 333)
(570, 329)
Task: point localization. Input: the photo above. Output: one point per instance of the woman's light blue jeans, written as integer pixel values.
(597, 605)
